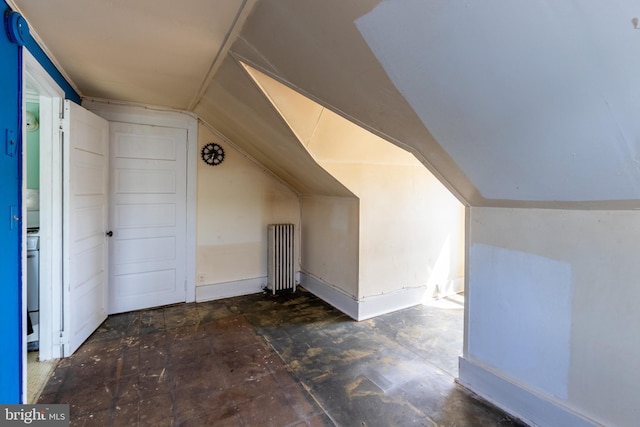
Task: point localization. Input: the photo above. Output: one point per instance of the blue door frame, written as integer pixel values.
(10, 228)
(11, 313)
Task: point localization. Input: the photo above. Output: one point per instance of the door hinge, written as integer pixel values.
(62, 338)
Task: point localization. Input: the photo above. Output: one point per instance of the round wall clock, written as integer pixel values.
(212, 154)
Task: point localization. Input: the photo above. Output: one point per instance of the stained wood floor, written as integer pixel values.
(263, 360)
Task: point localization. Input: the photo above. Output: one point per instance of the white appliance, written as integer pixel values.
(33, 279)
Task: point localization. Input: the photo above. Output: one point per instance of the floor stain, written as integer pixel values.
(279, 360)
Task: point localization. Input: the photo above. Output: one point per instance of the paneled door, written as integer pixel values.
(147, 216)
(85, 211)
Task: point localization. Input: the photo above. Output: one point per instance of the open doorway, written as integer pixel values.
(42, 207)
(67, 299)
(38, 369)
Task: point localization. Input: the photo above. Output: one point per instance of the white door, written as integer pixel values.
(85, 211)
(147, 216)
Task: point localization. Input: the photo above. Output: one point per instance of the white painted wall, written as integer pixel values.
(236, 201)
(330, 241)
(411, 227)
(552, 307)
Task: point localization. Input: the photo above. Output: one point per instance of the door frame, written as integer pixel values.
(50, 97)
(157, 116)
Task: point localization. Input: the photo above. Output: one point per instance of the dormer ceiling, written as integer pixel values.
(531, 104)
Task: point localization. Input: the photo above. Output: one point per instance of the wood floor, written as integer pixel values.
(263, 360)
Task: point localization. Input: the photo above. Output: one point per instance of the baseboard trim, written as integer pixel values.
(526, 405)
(378, 305)
(356, 309)
(366, 308)
(230, 289)
(330, 294)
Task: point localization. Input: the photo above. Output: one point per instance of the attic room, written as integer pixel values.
(350, 121)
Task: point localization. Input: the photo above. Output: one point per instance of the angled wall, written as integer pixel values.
(411, 228)
(527, 106)
(236, 108)
(406, 226)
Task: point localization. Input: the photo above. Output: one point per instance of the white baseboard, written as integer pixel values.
(230, 289)
(330, 294)
(367, 307)
(387, 303)
(356, 309)
(233, 289)
(526, 405)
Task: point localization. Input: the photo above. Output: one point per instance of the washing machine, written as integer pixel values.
(33, 287)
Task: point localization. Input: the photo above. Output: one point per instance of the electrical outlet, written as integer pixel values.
(201, 278)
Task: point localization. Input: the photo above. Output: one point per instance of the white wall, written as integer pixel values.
(407, 229)
(411, 227)
(330, 241)
(236, 201)
(552, 308)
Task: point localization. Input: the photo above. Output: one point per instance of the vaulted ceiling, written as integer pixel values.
(509, 103)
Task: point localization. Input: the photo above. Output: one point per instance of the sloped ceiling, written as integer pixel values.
(509, 103)
(533, 103)
(158, 52)
(238, 109)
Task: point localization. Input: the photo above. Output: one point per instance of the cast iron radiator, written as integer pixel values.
(281, 258)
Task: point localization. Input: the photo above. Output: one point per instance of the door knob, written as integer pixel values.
(109, 233)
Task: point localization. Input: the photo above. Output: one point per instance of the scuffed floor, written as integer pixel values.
(263, 360)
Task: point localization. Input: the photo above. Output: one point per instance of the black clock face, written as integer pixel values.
(212, 154)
